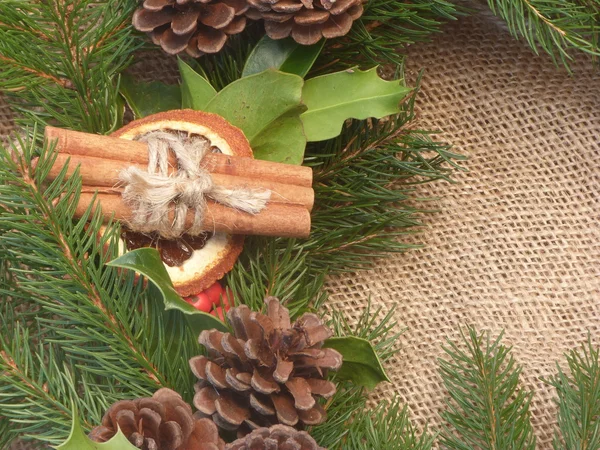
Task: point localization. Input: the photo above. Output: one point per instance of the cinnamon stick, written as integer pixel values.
(106, 147)
(105, 173)
(277, 219)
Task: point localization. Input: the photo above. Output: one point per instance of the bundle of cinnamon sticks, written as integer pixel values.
(100, 159)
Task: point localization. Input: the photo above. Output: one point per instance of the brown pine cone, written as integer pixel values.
(269, 371)
(307, 21)
(194, 26)
(163, 422)
(278, 437)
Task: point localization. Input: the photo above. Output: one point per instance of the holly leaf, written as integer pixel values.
(196, 91)
(283, 54)
(352, 94)
(78, 440)
(361, 364)
(145, 99)
(263, 107)
(147, 262)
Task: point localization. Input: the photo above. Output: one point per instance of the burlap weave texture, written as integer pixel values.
(516, 242)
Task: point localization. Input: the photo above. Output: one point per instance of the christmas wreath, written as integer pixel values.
(165, 247)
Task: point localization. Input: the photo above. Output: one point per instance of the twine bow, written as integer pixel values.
(150, 194)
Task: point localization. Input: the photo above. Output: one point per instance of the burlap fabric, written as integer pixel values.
(516, 242)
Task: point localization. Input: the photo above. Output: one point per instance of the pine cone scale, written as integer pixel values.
(278, 30)
(337, 26)
(173, 43)
(230, 409)
(151, 420)
(307, 35)
(287, 6)
(147, 20)
(205, 399)
(308, 17)
(215, 375)
(185, 22)
(157, 5)
(217, 15)
(283, 371)
(262, 384)
(285, 410)
(237, 25)
(300, 390)
(341, 6)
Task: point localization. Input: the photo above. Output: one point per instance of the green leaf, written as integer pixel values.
(196, 91)
(283, 54)
(361, 363)
(283, 141)
(351, 94)
(79, 441)
(147, 262)
(149, 98)
(264, 106)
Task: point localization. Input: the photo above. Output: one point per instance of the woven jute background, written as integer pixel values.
(515, 245)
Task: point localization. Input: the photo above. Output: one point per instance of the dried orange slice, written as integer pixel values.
(220, 251)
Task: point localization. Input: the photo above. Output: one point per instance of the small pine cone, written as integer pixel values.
(278, 437)
(307, 21)
(194, 26)
(163, 422)
(269, 371)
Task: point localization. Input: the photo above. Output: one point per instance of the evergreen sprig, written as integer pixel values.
(386, 28)
(380, 332)
(94, 334)
(60, 60)
(555, 27)
(578, 399)
(486, 409)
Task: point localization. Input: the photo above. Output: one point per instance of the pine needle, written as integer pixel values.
(486, 408)
(555, 27)
(579, 400)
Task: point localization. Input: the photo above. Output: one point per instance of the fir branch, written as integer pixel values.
(61, 60)
(347, 403)
(276, 267)
(351, 424)
(554, 27)
(116, 340)
(579, 400)
(387, 427)
(369, 327)
(487, 409)
(385, 28)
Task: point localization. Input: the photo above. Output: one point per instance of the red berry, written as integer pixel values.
(218, 312)
(214, 293)
(200, 301)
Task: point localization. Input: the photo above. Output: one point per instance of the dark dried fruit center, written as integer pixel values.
(173, 252)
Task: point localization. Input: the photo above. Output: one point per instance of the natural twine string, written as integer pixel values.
(151, 194)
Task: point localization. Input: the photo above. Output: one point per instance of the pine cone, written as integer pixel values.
(278, 437)
(196, 26)
(163, 422)
(269, 371)
(307, 21)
